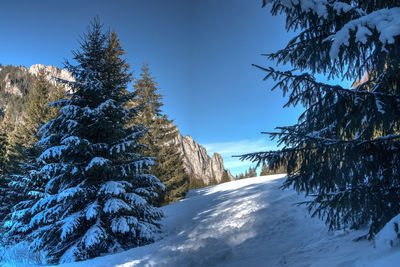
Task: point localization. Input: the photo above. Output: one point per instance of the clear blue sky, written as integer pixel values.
(200, 52)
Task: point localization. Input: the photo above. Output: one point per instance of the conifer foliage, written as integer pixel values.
(37, 111)
(18, 153)
(344, 150)
(266, 170)
(251, 172)
(4, 205)
(168, 165)
(95, 198)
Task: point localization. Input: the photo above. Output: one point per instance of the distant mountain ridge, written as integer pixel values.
(17, 82)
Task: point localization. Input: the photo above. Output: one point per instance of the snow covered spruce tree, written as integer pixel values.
(95, 197)
(345, 149)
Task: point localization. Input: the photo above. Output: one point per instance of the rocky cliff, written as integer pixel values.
(198, 164)
(17, 82)
(52, 73)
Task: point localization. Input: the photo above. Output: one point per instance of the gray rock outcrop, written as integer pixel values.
(10, 87)
(198, 164)
(52, 74)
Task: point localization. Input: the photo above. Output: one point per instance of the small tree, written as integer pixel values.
(344, 150)
(225, 177)
(251, 172)
(265, 170)
(95, 198)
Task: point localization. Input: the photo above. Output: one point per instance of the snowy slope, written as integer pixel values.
(250, 222)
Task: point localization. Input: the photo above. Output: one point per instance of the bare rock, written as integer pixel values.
(10, 87)
(197, 163)
(53, 74)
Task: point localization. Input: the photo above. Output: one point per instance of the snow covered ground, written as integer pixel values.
(249, 222)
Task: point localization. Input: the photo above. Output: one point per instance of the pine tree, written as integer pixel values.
(95, 197)
(168, 165)
(344, 150)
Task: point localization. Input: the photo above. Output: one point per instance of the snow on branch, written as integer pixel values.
(43, 216)
(43, 203)
(120, 225)
(74, 141)
(93, 236)
(385, 21)
(52, 152)
(69, 224)
(69, 193)
(114, 187)
(317, 7)
(135, 199)
(97, 161)
(114, 205)
(92, 210)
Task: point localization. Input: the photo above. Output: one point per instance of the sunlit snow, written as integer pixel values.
(249, 222)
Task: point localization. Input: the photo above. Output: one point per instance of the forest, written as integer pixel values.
(87, 166)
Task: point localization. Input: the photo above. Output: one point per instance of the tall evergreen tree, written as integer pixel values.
(95, 195)
(344, 150)
(161, 131)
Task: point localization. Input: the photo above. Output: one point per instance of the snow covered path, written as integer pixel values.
(250, 222)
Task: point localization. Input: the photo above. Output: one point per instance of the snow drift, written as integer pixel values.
(249, 222)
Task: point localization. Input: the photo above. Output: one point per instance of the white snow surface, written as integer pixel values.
(249, 222)
(388, 236)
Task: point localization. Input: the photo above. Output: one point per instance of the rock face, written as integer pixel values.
(16, 82)
(11, 87)
(52, 73)
(198, 164)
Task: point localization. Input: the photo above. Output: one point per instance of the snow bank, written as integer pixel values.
(389, 236)
(249, 222)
